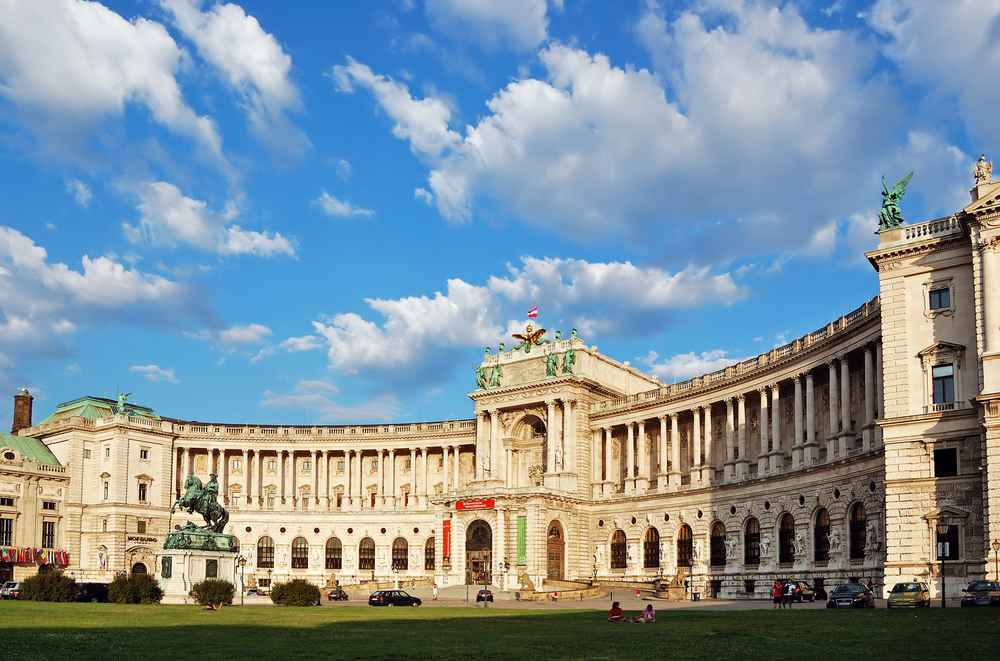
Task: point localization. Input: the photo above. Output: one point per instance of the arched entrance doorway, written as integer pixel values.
(478, 549)
(556, 549)
(139, 568)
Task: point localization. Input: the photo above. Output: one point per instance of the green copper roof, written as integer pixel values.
(95, 408)
(30, 448)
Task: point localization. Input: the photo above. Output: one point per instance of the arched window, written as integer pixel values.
(717, 552)
(821, 536)
(366, 553)
(334, 554)
(429, 550)
(651, 549)
(786, 539)
(137, 568)
(300, 553)
(751, 542)
(400, 554)
(265, 553)
(858, 522)
(619, 558)
(685, 547)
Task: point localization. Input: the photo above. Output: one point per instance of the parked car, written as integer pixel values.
(981, 593)
(851, 595)
(92, 592)
(392, 598)
(805, 593)
(338, 595)
(252, 592)
(909, 595)
(484, 595)
(10, 590)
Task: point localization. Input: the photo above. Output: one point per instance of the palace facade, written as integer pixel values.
(868, 448)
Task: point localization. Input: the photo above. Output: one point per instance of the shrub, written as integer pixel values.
(295, 593)
(213, 592)
(50, 586)
(135, 589)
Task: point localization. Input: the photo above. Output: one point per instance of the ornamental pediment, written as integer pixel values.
(989, 200)
(946, 512)
(942, 349)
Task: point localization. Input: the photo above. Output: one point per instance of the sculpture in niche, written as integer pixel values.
(559, 457)
(889, 216)
(983, 170)
(281, 556)
(599, 556)
(834, 539)
(800, 543)
(696, 551)
(871, 535)
(765, 546)
(731, 548)
(664, 553)
(633, 551)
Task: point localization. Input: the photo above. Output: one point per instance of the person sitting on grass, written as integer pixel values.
(616, 614)
(647, 615)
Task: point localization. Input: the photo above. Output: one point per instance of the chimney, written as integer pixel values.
(22, 411)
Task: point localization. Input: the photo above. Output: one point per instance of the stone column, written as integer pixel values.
(630, 460)
(424, 493)
(642, 483)
(991, 302)
(380, 485)
(596, 489)
(315, 484)
(708, 469)
(609, 484)
(508, 458)
(188, 459)
(868, 426)
(413, 479)
(879, 392)
(797, 429)
(694, 452)
(661, 475)
(326, 478)
(568, 437)
(847, 430)
(294, 480)
(257, 480)
(246, 479)
(495, 448)
(674, 476)
(282, 471)
(359, 483)
(811, 447)
(729, 466)
(742, 462)
(391, 500)
(348, 481)
(776, 458)
(831, 441)
(457, 463)
(444, 470)
(480, 433)
(550, 437)
(762, 425)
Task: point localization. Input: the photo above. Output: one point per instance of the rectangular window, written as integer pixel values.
(140, 527)
(86, 454)
(307, 465)
(270, 499)
(340, 500)
(406, 499)
(143, 492)
(946, 462)
(104, 525)
(237, 464)
(940, 298)
(944, 384)
(6, 532)
(374, 464)
(272, 464)
(107, 453)
(947, 544)
(440, 462)
(48, 505)
(236, 501)
(144, 454)
(373, 499)
(340, 465)
(106, 489)
(6, 502)
(406, 464)
(48, 534)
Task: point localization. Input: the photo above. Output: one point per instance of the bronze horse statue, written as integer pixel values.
(204, 501)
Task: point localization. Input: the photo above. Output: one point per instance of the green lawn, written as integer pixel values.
(106, 631)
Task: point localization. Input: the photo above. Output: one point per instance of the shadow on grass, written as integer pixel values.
(87, 631)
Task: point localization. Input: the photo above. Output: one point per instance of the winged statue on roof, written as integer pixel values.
(889, 216)
(529, 339)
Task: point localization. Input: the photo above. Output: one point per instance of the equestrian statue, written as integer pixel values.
(204, 501)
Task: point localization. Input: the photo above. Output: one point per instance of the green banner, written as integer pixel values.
(522, 540)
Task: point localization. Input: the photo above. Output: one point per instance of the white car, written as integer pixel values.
(10, 590)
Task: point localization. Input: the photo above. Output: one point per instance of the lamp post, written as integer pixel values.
(486, 573)
(243, 589)
(942, 529)
(876, 547)
(506, 568)
(269, 580)
(996, 559)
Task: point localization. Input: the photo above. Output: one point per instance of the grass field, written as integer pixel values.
(105, 631)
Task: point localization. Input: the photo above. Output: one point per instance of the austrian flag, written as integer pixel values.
(533, 313)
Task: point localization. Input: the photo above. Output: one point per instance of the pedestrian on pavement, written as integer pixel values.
(434, 588)
(778, 591)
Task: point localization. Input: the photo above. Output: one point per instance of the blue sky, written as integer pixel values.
(324, 214)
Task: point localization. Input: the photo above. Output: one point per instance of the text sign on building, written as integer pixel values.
(475, 504)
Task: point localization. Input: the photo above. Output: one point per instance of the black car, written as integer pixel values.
(338, 595)
(805, 592)
(92, 592)
(484, 595)
(851, 595)
(392, 598)
(982, 593)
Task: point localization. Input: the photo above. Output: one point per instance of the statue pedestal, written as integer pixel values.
(178, 569)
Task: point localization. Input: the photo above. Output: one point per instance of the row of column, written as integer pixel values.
(353, 497)
(495, 461)
(774, 449)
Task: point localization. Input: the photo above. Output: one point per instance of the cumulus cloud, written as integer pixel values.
(170, 217)
(236, 335)
(615, 298)
(334, 207)
(313, 396)
(686, 365)
(252, 63)
(80, 191)
(155, 373)
(515, 24)
(67, 64)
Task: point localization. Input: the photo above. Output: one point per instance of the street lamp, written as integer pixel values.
(996, 558)
(243, 588)
(269, 580)
(486, 573)
(942, 529)
(506, 568)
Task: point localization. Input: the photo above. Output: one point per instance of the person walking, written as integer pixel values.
(789, 595)
(778, 591)
(434, 590)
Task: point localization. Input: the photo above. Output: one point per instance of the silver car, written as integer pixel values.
(10, 590)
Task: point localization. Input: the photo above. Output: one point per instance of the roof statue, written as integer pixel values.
(480, 376)
(122, 406)
(983, 170)
(889, 216)
(495, 376)
(529, 339)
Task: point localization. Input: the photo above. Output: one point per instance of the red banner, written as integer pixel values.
(446, 549)
(475, 504)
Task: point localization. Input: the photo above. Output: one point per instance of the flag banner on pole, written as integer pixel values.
(533, 313)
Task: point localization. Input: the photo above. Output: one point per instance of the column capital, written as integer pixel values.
(707, 408)
(774, 388)
(695, 410)
(762, 391)
(797, 378)
(832, 363)
(674, 416)
(662, 418)
(741, 397)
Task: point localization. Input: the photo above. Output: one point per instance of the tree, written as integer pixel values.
(213, 592)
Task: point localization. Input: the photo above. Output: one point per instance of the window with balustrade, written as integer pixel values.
(334, 553)
(429, 550)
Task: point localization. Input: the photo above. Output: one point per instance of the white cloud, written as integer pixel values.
(80, 191)
(155, 373)
(312, 395)
(615, 298)
(170, 217)
(67, 64)
(252, 63)
(334, 207)
(686, 365)
(343, 169)
(236, 335)
(517, 24)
